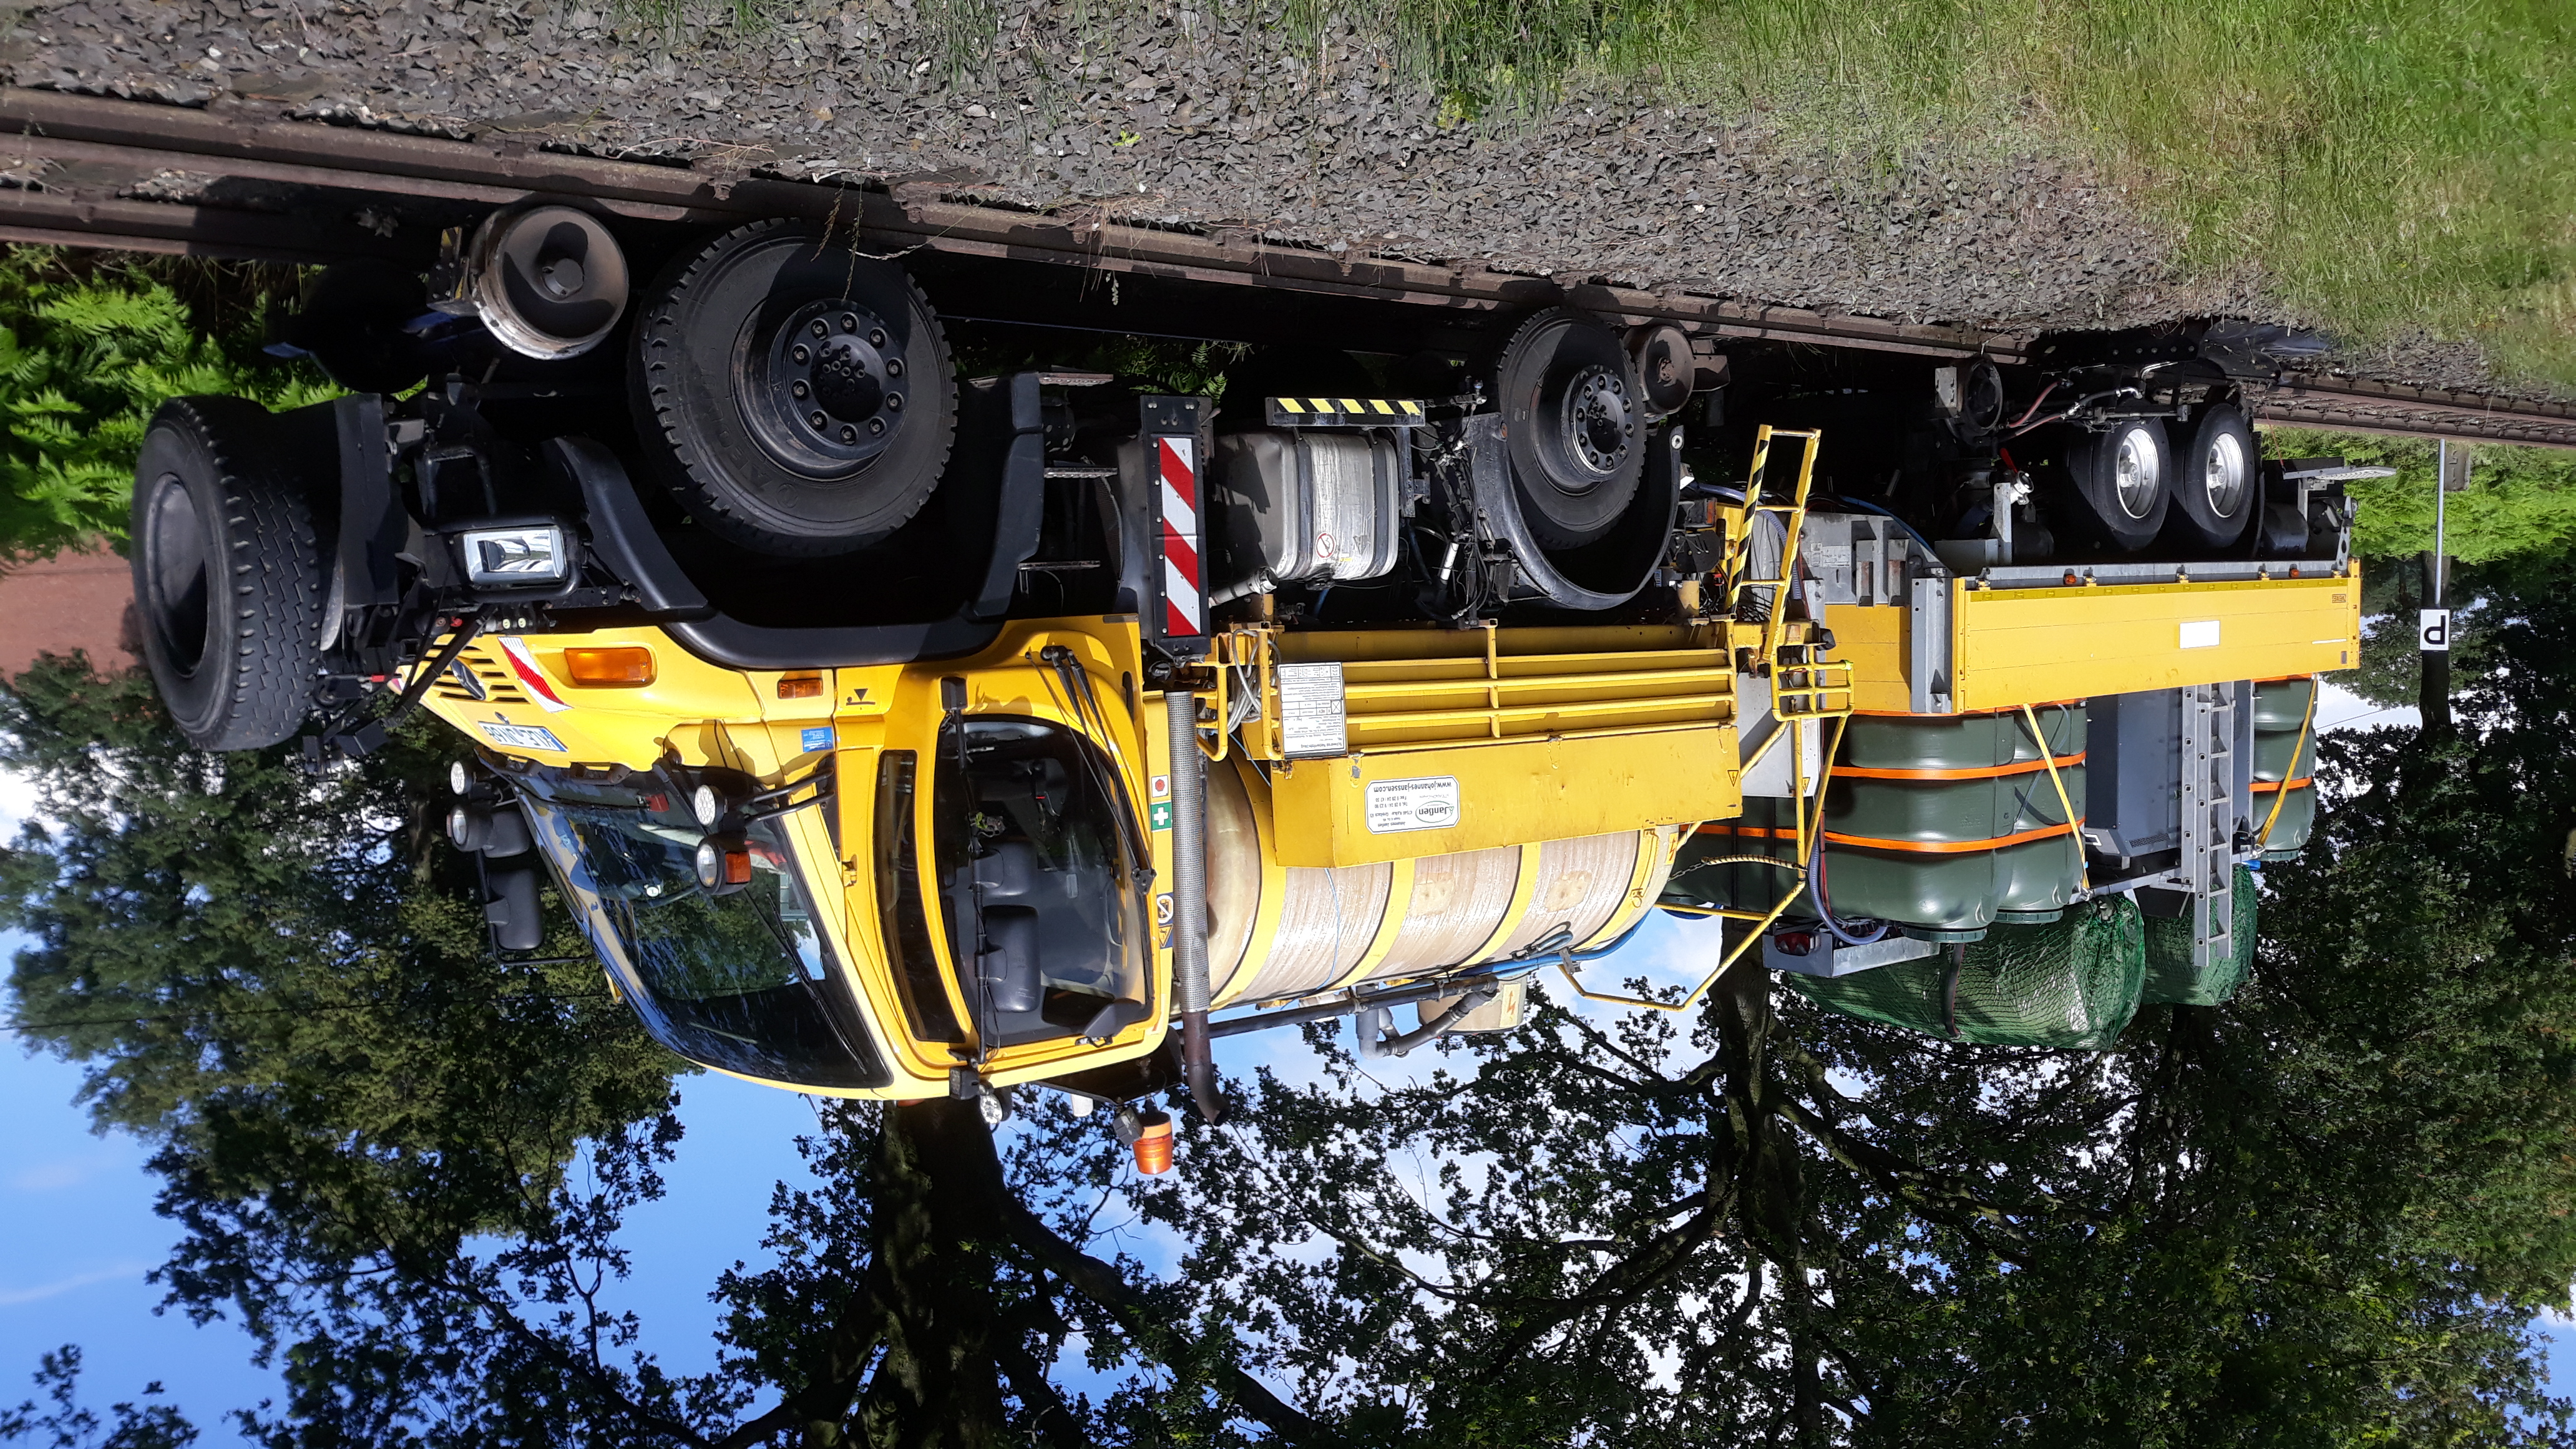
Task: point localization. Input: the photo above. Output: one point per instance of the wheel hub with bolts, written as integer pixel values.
(2134, 473)
(834, 386)
(2223, 475)
(1599, 422)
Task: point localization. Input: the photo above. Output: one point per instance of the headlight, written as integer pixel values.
(522, 556)
(723, 864)
(707, 806)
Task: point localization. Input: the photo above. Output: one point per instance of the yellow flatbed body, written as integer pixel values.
(2000, 648)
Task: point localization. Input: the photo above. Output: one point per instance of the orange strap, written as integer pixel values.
(2265, 787)
(1764, 831)
(1963, 772)
(1950, 847)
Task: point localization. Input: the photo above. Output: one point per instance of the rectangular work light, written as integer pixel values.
(530, 555)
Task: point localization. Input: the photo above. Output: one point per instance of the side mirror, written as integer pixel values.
(1008, 966)
(511, 908)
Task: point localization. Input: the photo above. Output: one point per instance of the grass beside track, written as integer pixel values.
(2389, 166)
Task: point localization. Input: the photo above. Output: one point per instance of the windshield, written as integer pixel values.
(1036, 881)
(743, 981)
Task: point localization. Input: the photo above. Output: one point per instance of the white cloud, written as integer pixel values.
(12, 1297)
(62, 1172)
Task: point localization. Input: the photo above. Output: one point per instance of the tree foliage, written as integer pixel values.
(70, 1425)
(87, 351)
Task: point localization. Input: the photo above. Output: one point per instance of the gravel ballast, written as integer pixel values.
(1209, 117)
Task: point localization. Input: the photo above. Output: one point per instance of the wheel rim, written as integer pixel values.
(174, 551)
(826, 388)
(2222, 475)
(1595, 426)
(2134, 473)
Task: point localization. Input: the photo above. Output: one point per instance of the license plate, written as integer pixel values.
(521, 737)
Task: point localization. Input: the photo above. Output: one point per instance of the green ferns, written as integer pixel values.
(86, 355)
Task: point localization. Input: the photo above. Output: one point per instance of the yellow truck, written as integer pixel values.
(894, 725)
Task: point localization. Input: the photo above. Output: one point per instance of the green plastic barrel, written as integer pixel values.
(1765, 830)
(2284, 751)
(1921, 834)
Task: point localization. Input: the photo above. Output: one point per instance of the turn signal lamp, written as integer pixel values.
(809, 686)
(1154, 1144)
(622, 667)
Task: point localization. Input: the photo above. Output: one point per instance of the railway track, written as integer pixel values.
(234, 180)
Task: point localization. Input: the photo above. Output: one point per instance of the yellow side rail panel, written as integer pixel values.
(2027, 646)
(1364, 808)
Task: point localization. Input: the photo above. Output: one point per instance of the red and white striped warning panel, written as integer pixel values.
(1173, 431)
(1184, 590)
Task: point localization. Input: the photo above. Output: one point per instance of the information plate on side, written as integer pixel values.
(1428, 803)
(1311, 723)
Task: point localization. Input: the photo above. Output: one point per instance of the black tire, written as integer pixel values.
(1574, 423)
(2216, 482)
(228, 576)
(2117, 479)
(724, 343)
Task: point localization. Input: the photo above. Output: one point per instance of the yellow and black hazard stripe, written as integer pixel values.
(1345, 412)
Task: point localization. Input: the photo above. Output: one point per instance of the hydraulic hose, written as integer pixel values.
(1190, 990)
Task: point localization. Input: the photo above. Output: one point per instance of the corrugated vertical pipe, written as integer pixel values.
(1190, 990)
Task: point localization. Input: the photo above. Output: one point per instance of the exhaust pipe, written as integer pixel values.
(1190, 990)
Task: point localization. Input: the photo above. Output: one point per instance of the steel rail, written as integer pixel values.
(94, 171)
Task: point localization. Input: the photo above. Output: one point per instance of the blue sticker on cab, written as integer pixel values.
(818, 738)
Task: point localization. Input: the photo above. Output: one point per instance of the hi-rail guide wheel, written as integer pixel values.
(548, 282)
(1665, 367)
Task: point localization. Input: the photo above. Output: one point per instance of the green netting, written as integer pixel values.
(2170, 977)
(2073, 983)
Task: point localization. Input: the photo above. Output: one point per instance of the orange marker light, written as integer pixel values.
(1154, 1145)
(808, 687)
(624, 667)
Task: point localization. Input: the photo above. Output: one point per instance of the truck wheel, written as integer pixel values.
(2118, 479)
(2215, 487)
(227, 572)
(1574, 415)
(794, 394)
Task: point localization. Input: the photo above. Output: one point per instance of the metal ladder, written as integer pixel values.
(2207, 868)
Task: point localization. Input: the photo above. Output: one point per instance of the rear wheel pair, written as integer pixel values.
(2132, 485)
